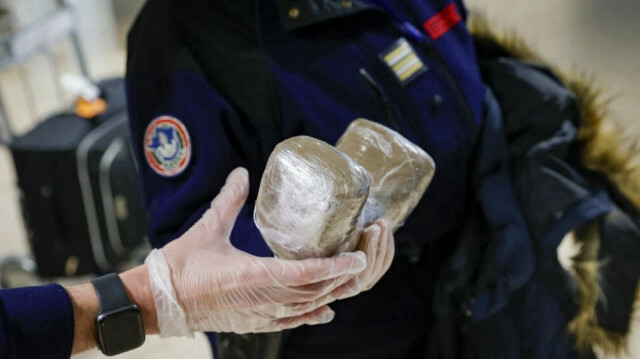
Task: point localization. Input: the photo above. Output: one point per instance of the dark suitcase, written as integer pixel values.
(79, 188)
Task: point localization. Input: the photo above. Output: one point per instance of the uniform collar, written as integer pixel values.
(296, 14)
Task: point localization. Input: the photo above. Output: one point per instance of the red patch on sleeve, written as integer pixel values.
(442, 22)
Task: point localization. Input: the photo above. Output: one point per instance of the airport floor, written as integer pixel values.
(596, 36)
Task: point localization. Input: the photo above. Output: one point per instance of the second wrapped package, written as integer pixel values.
(400, 171)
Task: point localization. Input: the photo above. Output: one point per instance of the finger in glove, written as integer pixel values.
(306, 271)
(321, 315)
(346, 290)
(377, 244)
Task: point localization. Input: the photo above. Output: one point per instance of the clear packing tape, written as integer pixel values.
(315, 199)
(310, 198)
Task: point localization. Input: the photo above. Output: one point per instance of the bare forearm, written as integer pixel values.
(86, 307)
(85, 310)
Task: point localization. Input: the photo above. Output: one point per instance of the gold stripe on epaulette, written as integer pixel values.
(403, 61)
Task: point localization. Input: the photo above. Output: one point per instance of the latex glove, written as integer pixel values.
(378, 244)
(201, 282)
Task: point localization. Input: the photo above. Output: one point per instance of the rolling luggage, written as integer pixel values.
(79, 190)
(76, 176)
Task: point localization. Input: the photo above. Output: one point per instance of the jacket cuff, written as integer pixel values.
(37, 322)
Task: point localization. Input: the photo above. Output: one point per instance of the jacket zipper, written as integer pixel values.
(382, 97)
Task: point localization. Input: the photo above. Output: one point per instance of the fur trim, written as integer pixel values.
(508, 40)
(606, 150)
(584, 270)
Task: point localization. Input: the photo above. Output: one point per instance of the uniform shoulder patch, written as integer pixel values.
(403, 61)
(167, 146)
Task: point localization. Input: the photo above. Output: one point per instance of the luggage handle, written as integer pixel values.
(89, 203)
(112, 207)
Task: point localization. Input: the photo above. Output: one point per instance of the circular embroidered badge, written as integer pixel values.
(167, 146)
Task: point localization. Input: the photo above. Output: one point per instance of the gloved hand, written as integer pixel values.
(200, 282)
(378, 244)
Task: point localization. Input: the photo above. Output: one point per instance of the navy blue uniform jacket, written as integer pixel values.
(213, 85)
(36, 322)
(241, 76)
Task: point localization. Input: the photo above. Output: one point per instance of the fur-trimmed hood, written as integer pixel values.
(607, 151)
(606, 148)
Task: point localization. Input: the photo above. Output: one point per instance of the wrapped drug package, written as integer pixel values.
(400, 171)
(310, 198)
(314, 199)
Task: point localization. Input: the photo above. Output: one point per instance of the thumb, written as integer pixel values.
(228, 203)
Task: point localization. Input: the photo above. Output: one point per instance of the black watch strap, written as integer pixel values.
(111, 292)
(119, 324)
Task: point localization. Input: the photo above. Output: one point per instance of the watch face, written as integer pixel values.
(120, 330)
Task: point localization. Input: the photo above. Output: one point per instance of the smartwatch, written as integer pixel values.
(119, 324)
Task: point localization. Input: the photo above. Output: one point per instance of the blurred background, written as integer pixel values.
(597, 36)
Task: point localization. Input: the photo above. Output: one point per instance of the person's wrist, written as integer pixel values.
(85, 309)
(136, 283)
(171, 319)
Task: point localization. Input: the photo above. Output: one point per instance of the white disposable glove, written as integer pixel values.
(378, 244)
(200, 282)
